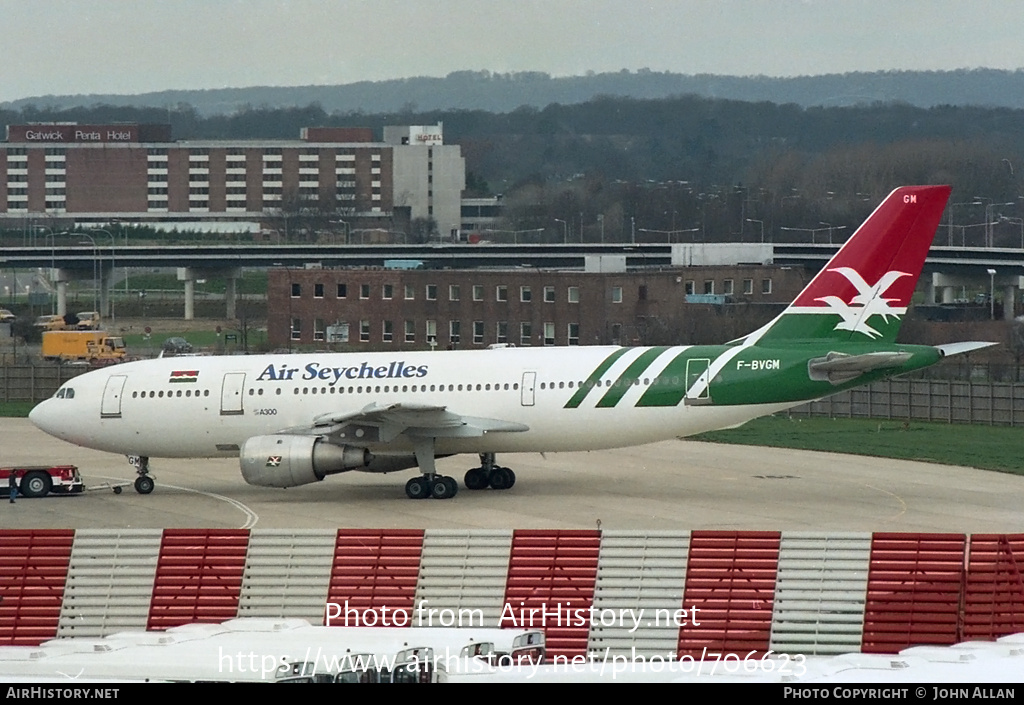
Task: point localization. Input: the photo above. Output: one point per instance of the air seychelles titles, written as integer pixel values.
(396, 369)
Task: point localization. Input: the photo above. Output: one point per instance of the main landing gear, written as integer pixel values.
(143, 483)
(436, 486)
(489, 475)
(430, 484)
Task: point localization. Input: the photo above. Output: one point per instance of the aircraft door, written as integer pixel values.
(529, 385)
(110, 407)
(231, 394)
(694, 370)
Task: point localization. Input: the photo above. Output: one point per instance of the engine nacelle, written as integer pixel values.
(284, 460)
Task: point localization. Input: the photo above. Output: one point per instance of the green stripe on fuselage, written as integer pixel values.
(582, 392)
(629, 377)
(670, 386)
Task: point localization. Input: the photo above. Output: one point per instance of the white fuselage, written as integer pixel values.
(208, 406)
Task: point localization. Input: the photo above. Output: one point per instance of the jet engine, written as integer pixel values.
(283, 460)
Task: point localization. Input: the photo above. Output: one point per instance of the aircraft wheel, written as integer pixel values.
(144, 484)
(501, 479)
(443, 487)
(452, 485)
(36, 484)
(511, 478)
(417, 488)
(475, 479)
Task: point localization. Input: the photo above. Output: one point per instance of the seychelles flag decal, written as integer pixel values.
(184, 376)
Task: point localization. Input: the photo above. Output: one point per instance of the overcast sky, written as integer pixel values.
(135, 46)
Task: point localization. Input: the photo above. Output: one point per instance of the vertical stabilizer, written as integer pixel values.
(863, 292)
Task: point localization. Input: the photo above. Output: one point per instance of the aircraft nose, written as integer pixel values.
(42, 417)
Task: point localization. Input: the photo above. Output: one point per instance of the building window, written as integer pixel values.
(318, 291)
(478, 292)
(454, 328)
(388, 291)
(709, 286)
(501, 293)
(574, 334)
(318, 329)
(478, 332)
(549, 333)
(748, 286)
(766, 286)
(364, 331)
(641, 292)
(410, 292)
(431, 292)
(525, 295)
(342, 291)
(388, 332)
(432, 332)
(549, 294)
(616, 333)
(296, 290)
(574, 294)
(616, 294)
(364, 291)
(296, 328)
(410, 331)
(727, 287)
(453, 292)
(691, 287)
(525, 333)
(502, 332)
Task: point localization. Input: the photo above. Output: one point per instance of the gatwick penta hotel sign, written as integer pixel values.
(64, 133)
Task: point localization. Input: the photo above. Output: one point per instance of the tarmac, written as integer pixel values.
(673, 485)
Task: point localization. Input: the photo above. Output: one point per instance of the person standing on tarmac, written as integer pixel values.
(12, 485)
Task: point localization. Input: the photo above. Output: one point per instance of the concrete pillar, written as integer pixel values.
(106, 304)
(230, 295)
(61, 277)
(186, 275)
(190, 299)
(948, 294)
(1009, 299)
(929, 292)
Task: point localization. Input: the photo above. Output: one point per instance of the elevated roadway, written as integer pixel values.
(83, 258)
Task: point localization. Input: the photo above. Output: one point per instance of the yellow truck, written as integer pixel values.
(92, 346)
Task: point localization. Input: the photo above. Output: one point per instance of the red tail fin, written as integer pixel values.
(873, 275)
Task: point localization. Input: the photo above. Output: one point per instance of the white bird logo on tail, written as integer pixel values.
(868, 302)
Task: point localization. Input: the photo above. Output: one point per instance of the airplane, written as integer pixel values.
(294, 419)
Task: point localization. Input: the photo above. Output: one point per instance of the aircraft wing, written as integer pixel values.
(376, 423)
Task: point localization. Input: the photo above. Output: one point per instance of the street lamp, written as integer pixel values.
(565, 231)
(95, 256)
(755, 220)
(989, 233)
(112, 266)
(975, 202)
(831, 228)
(991, 294)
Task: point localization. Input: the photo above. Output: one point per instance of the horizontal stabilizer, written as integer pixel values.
(961, 348)
(838, 367)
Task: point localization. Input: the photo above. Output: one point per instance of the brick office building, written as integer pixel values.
(381, 309)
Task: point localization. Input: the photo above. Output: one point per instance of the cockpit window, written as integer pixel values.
(66, 393)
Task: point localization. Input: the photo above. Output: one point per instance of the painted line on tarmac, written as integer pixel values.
(251, 517)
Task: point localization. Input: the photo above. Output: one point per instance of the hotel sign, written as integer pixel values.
(65, 134)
